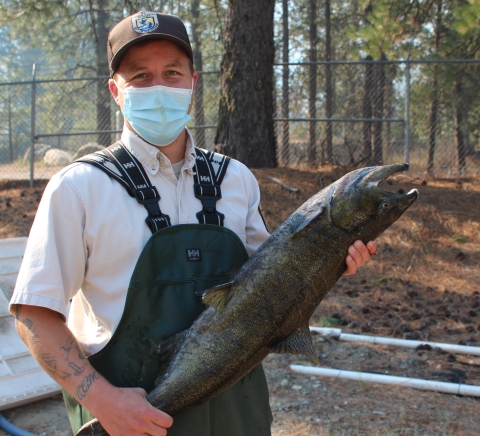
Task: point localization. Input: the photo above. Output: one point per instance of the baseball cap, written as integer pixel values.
(142, 26)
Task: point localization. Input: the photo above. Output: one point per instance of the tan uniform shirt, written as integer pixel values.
(88, 234)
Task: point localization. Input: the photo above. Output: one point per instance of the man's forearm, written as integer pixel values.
(120, 410)
(54, 347)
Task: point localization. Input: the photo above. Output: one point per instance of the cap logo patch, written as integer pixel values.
(145, 22)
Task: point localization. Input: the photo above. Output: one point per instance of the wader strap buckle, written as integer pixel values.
(150, 197)
(210, 169)
(209, 195)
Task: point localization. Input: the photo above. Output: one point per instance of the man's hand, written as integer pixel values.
(128, 412)
(358, 254)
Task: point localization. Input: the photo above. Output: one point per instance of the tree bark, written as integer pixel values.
(312, 88)
(377, 111)
(328, 85)
(198, 103)
(367, 113)
(10, 142)
(459, 137)
(285, 155)
(245, 127)
(103, 94)
(389, 93)
(433, 125)
(435, 101)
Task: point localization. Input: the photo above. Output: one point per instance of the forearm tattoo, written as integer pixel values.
(49, 361)
(77, 370)
(49, 364)
(85, 385)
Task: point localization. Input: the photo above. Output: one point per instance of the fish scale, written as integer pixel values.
(268, 304)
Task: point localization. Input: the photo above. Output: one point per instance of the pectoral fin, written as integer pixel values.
(168, 348)
(299, 342)
(219, 296)
(303, 225)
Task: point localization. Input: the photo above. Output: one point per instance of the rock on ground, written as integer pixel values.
(91, 147)
(39, 152)
(55, 157)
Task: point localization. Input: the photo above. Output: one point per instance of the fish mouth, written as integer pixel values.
(376, 175)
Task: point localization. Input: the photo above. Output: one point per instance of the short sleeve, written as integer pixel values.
(53, 266)
(256, 230)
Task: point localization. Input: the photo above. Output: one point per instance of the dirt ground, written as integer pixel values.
(424, 284)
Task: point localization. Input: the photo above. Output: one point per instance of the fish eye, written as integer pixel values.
(385, 205)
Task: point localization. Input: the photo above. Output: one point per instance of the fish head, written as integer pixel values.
(358, 204)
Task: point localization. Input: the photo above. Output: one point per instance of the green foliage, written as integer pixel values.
(456, 237)
(325, 321)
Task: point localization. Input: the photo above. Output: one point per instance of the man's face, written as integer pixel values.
(152, 63)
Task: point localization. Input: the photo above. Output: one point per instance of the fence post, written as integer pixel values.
(32, 127)
(407, 111)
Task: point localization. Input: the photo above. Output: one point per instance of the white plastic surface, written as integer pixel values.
(22, 380)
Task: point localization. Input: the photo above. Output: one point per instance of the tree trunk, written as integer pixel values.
(377, 111)
(468, 144)
(285, 155)
(367, 113)
(435, 102)
(245, 127)
(103, 94)
(328, 85)
(10, 142)
(312, 88)
(198, 103)
(459, 138)
(389, 95)
(433, 125)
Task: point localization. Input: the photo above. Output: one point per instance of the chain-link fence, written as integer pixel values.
(379, 112)
(342, 113)
(45, 124)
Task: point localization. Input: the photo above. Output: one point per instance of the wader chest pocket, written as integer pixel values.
(176, 304)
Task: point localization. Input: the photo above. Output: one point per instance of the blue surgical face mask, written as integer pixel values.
(157, 113)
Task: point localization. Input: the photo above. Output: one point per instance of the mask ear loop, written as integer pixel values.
(118, 87)
(121, 90)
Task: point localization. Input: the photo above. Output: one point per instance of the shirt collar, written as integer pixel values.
(150, 157)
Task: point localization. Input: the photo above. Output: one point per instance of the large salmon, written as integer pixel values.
(268, 304)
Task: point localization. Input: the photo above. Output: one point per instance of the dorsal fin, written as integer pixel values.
(308, 220)
(219, 296)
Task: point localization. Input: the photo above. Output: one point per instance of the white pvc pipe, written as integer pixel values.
(416, 383)
(406, 343)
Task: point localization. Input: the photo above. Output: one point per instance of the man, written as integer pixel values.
(88, 235)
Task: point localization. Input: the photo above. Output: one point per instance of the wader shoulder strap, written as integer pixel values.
(124, 167)
(121, 165)
(210, 168)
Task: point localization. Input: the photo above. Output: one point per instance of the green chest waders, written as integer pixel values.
(176, 262)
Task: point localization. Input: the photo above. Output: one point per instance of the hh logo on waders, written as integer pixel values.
(193, 255)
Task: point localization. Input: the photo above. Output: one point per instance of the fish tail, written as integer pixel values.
(92, 428)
